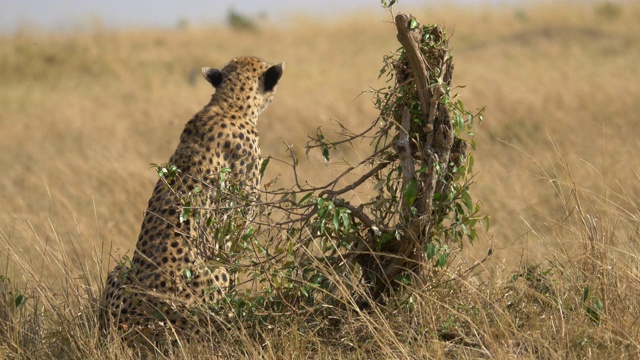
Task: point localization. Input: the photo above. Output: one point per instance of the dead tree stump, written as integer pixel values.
(426, 149)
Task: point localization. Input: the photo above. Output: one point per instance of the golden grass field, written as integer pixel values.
(83, 115)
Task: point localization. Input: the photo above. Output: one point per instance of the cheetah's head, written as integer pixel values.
(246, 80)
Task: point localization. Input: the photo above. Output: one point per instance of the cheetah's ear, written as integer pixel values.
(213, 76)
(272, 75)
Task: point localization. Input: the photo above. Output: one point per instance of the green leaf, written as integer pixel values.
(385, 238)
(459, 209)
(459, 121)
(599, 305)
(466, 198)
(187, 273)
(431, 250)
(379, 185)
(411, 192)
(248, 234)
(585, 294)
(413, 23)
(304, 198)
(186, 212)
(20, 300)
(388, 5)
(346, 219)
(263, 166)
(403, 278)
(442, 260)
(594, 313)
(325, 153)
(221, 179)
(473, 234)
(336, 220)
(158, 316)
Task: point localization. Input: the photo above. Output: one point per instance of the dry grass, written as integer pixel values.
(83, 115)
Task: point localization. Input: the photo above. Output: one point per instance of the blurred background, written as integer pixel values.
(70, 15)
(92, 92)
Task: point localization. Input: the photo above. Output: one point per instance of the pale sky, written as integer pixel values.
(79, 14)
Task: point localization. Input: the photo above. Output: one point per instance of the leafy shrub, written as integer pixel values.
(304, 249)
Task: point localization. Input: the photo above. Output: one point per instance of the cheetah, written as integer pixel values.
(171, 273)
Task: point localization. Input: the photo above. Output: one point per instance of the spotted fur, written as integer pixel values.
(170, 275)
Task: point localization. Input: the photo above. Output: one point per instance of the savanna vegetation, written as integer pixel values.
(556, 169)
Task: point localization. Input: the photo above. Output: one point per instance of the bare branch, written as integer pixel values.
(416, 60)
(406, 159)
(355, 184)
(347, 139)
